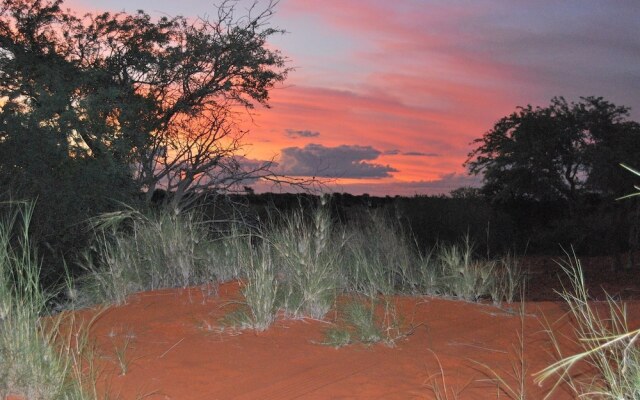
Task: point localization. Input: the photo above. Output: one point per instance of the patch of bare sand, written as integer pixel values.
(176, 349)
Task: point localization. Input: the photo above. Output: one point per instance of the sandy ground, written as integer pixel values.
(174, 347)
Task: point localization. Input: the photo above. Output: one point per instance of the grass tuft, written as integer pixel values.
(360, 321)
(463, 276)
(261, 289)
(308, 249)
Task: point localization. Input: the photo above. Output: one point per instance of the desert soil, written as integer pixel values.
(173, 346)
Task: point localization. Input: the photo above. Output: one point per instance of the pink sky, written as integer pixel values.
(387, 95)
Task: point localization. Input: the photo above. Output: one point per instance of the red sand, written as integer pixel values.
(177, 350)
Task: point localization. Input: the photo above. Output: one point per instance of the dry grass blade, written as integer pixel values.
(610, 347)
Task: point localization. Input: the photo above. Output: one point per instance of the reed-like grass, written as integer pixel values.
(463, 276)
(38, 358)
(136, 252)
(315, 258)
(610, 346)
(261, 289)
(308, 250)
(379, 257)
(298, 264)
(510, 280)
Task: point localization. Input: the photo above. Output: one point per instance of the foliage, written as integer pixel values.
(360, 320)
(556, 152)
(462, 276)
(261, 289)
(97, 109)
(379, 257)
(636, 187)
(153, 95)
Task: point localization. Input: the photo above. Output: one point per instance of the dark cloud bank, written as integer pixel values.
(333, 162)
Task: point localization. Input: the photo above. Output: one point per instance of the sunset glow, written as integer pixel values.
(387, 96)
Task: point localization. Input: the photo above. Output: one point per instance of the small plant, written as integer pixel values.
(121, 355)
(359, 322)
(361, 317)
(462, 276)
(337, 337)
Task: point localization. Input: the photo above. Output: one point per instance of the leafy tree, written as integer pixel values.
(104, 107)
(157, 99)
(557, 152)
(555, 170)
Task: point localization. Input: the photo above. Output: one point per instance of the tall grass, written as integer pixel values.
(37, 359)
(136, 252)
(261, 288)
(610, 347)
(308, 249)
(298, 262)
(379, 257)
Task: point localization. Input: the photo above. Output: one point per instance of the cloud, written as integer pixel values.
(396, 152)
(522, 53)
(292, 133)
(421, 80)
(420, 154)
(343, 161)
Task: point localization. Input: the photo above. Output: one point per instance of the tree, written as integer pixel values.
(155, 100)
(101, 108)
(558, 152)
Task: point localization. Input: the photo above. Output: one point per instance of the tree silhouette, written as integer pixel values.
(155, 100)
(557, 152)
(101, 108)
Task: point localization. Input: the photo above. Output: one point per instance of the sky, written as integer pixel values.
(387, 96)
